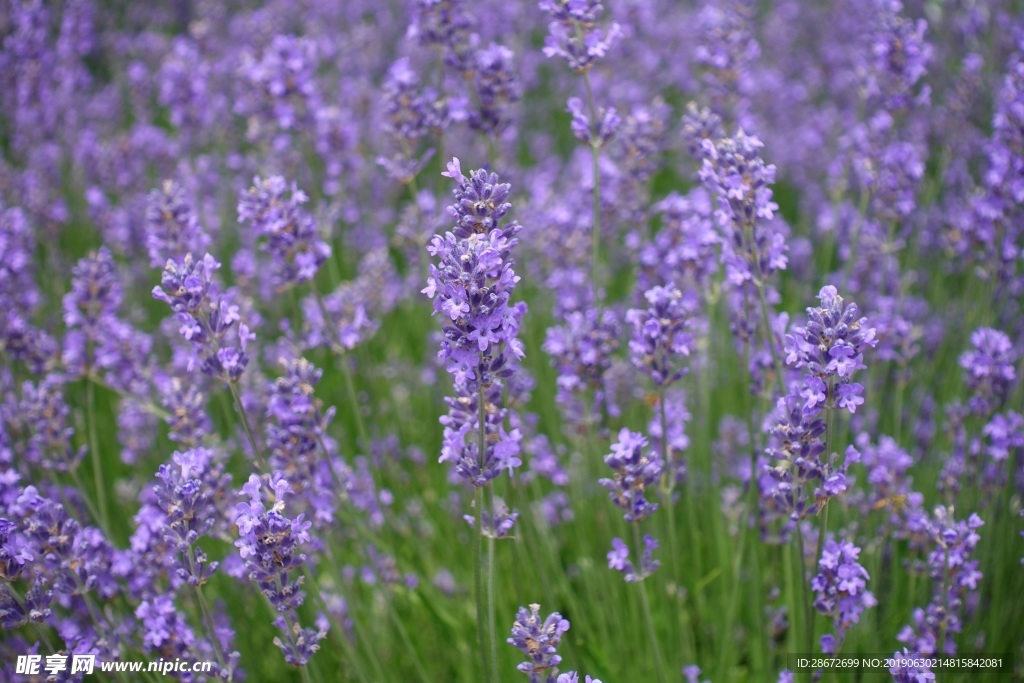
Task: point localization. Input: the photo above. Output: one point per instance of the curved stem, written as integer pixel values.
(94, 452)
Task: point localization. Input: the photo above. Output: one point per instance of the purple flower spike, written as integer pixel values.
(636, 470)
(841, 590)
(213, 327)
(275, 212)
(471, 287)
(538, 640)
(989, 369)
(661, 339)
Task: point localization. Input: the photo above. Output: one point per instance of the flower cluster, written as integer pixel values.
(637, 468)
(954, 575)
(471, 288)
(989, 369)
(618, 559)
(296, 436)
(573, 33)
(296, 249)
(841, 591)
(212, 325)
(172, 228)
(733, 171)
(661, 338)
(89, 306)
(190, 492)
(538, 640)
(270, 545)
(830, 349)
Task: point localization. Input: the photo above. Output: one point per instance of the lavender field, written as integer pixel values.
(488, 341)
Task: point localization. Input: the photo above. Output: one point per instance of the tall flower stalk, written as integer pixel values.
(471, 286)
(574, 35)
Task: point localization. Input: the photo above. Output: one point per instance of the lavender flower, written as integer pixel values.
(573, 677)
(295, 247)
(636, 470)
(210, 325)
(471, 288)
(172, 229)
(599, 136)
(910, 674)
(269, 544)
(538, 640)
(989, 369)
(954, 577)
(496, 86)
(841, 591)
(618, 559)
(188, 492)
(45, 417)
(733, 171)
(830, 347)
(660, 335)
(94, 297)
(574, 35)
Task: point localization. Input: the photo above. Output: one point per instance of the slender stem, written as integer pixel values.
(776, 361)
(595, 156)
(350, 389)
(478, 589)
(670, 510)
(492, 624)
(94, 453)
(805, 599)
(204, 607)
(646, 606)
(941, 643)
(823, 527)
(240, 409)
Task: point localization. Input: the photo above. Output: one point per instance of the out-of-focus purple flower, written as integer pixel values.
(496, 86)
(727, 53)
(496, 525)
(44, 415)
(606, 127)
(187, 287)
(954, 577)
(94, 297)
(164, 628)
(637, 468)
(733, 171)
(899, 56)
(661, 337)
(574, 35)
(538, 640)
(618, 559)
(573, 677)
(172, 229)
(446, 25)
(582, 349)
(691, 672)
(281, 85)
(274, 211)
(700, 124)
(840, 590)
(910, 667)
(989, 369)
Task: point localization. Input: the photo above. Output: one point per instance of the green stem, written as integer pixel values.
(94, 452)
(492, 623)
(240, 409)
(204, 607)
(646, 606)
(478, 590)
